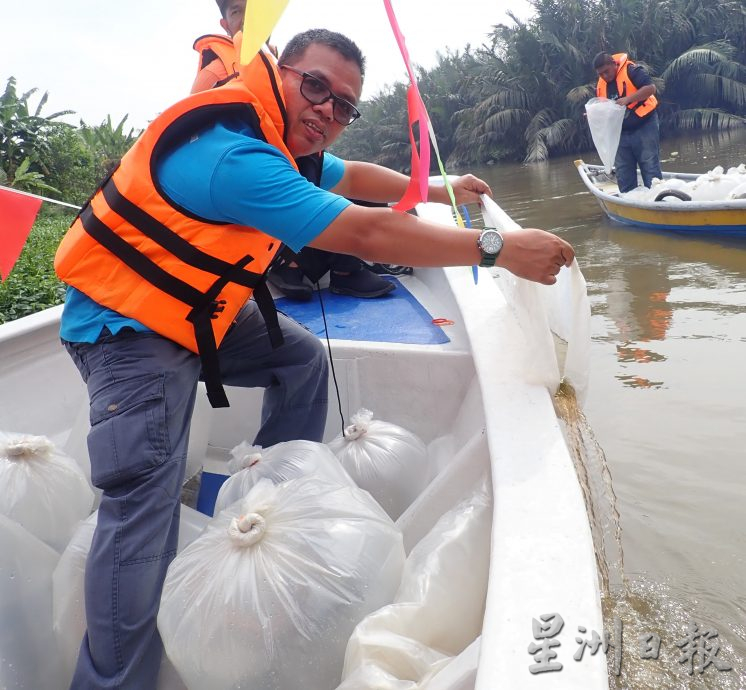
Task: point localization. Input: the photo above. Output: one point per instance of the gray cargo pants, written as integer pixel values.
(142, 389)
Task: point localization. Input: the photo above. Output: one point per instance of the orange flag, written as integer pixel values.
(17, 215)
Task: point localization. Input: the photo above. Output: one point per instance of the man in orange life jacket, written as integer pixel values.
(161, 265)
(629, 84)
(290, 272)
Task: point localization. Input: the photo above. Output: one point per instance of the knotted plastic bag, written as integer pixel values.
(605, 120)
(68, 591)
(268, 595)
(283, 461)
(41, 488)
(384, 459)
(28, 657)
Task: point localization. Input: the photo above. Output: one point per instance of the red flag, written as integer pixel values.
(17, 215)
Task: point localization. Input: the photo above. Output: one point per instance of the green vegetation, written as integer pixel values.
(32, 284)
(42, 155)
(39, 154)
(522, 95)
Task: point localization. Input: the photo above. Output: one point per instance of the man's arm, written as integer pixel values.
(371, 182)
(386, 236)
(645, 87)
(640, 95)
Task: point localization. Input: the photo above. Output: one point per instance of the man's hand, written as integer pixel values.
(535, 254)
(624, 100)
(467, 188)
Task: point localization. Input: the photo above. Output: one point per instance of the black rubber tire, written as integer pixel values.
(673, 192)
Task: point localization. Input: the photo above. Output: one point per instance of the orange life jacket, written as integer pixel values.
(134, 250)
(217, 55)
(624, 87)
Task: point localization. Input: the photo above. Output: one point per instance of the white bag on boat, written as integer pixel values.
(41, 488)
(605, 120)
(28, 657)
(283, 461)
(713, 185)
(268, 595)
(738, 192)
(68, 588)
(384, 459)
(438, 610)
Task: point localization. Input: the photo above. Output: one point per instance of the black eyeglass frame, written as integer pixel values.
(336, 100)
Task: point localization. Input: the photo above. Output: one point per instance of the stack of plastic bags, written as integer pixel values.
(269, 594)
(714, 185)
(43, 495)
(384, 459)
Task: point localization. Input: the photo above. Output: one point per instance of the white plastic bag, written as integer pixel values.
(283, 461)
(384, 459)
(28, 657)
(268, 595)
(41, 488)
(605, 119)
(439, 608)
(68, 589)
(562, 310)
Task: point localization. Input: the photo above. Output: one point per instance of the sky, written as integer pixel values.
(135, 57)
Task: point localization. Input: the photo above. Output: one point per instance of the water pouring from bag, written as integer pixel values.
(605, 119)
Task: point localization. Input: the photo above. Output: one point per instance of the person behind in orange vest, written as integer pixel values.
(161, 266)
(217, 55)
(629, 84)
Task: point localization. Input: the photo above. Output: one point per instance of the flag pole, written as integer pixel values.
(43, 198)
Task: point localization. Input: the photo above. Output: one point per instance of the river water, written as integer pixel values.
(667, 404)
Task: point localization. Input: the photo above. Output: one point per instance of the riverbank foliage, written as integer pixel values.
(32, 284)
(521, 96)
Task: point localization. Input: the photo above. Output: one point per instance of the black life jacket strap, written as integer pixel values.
(137, 261)
(267, 309)
(173, 242)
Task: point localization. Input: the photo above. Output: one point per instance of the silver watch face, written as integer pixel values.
(491, 242)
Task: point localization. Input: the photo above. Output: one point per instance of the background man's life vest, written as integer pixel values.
(625, 87)
(218, 61)
(134, 250)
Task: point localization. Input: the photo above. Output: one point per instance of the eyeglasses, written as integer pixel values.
(315, 91)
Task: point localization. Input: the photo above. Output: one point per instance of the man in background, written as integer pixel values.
(628, 84)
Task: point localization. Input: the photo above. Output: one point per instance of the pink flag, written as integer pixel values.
(17, 215)
(420, 171)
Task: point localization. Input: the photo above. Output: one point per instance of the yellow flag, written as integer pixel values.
(258, 23)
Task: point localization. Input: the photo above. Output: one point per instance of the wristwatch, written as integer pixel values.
(490, 243)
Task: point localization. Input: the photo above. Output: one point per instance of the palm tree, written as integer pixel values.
(24, 137)
(705, 88)
(107, 142)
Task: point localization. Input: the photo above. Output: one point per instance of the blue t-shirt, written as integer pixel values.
(228, 175)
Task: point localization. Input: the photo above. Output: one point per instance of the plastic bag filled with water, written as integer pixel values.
(605, 120)
(267, 597)
(41, 488)
(384, 459)
(278, 463)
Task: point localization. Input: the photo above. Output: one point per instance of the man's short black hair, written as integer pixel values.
(602, 59)
(331, 39)
(222, 5)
